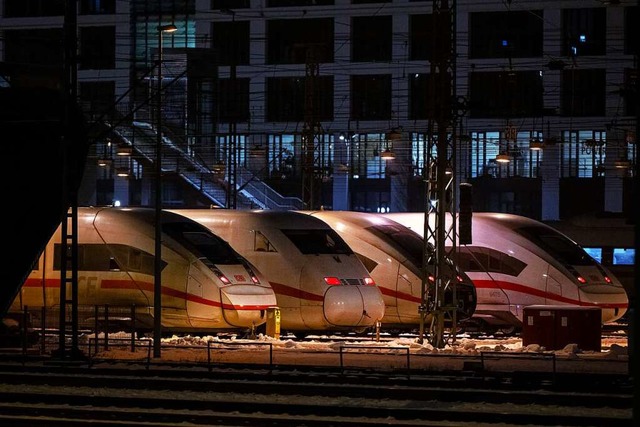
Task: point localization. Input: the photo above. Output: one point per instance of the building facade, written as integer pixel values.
(550, 86)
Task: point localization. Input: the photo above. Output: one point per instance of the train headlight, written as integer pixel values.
(369, 281)
(221, 276)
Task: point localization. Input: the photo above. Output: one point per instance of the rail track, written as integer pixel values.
(56, 394)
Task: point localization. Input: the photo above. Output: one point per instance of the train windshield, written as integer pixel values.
(402, 239)
(318, 241)
(203, 244)
(557, 245)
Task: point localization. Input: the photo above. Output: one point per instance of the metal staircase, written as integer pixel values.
(252, 193)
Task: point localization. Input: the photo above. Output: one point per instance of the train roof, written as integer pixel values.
(143, 214)
(268, 218)
(360, 219)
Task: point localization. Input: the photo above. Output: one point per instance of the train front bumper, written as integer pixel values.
(246, 305)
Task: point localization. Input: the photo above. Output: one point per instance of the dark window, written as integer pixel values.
(210, 248)
(25, 8)
(422, 103)
(505, 94)
(557, 245)
(231, 40)
(371, 97)
(298, 41)
(104, 191)
(170, 9)
(96, 7)
(584, 31)
(631, 19)
(318, 242)
(628, 90)
(294, 3)
(233, 102)
(108, 257)
(403, 240)
(420, 37)
(40, 48)
(286, 98)
(230, 4)
(97, 98)
(583, 92)
(97, 48)
(487, 260)
(418, 96)
(371, 38)
(505, 34)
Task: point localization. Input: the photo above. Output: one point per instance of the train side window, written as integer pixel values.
(261, 243)
(135, 259)
(510, 265)
(466, 261)
(478, 259)
(494, 263)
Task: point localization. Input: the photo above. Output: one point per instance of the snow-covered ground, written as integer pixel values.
(394, 353)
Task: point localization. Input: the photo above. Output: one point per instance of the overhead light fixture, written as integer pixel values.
(123, 172)
(536, 145)
(170, 28)
(622, 164)
(342, 136)
(104, 162)
(503, 158)
(124, 150)
(387, 154)
(219, 167)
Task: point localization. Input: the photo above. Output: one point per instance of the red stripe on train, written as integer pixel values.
(148, 287)
(510, 286)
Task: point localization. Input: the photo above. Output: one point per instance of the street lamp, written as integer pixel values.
(157, 270)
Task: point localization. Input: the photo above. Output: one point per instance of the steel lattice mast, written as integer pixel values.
(310, 132)
(439, 176)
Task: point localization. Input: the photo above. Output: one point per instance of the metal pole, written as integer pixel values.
(157, 266)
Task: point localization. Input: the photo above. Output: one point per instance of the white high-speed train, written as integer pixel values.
(393, 255)
(515, 261)
(206, 285)
(320, 284)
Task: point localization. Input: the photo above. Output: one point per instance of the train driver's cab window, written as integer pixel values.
(320, 241)
(261, 243)
(476, 258)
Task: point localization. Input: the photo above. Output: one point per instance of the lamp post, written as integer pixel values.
(157, 270)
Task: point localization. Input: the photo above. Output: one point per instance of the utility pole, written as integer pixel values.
(232, 141)
(439, 175)
(310, 132)
(69, 239)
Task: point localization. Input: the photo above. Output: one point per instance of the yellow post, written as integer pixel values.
(273, 322)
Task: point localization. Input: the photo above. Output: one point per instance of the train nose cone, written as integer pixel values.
(353, 306)
(246, 305)
(613, 305)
